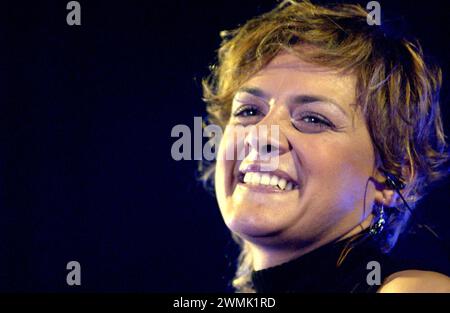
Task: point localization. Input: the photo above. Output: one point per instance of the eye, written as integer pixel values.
(315, 120)
(247, 111)
(312, 122)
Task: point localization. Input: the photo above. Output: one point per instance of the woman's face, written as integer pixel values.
(320, 148)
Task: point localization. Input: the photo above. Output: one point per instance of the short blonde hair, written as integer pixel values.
(396, 90)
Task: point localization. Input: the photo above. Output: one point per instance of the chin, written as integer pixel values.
(258, 205)
(255, 221)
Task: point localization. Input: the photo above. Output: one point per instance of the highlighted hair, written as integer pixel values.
(397, 91)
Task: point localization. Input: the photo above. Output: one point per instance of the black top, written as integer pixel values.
(317, 271)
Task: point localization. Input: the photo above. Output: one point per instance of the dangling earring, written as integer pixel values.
(377, 227)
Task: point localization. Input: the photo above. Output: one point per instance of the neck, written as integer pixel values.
(265, 257)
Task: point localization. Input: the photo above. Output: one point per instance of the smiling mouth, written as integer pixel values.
(267, 180)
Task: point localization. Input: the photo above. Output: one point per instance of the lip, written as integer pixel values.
(255, 167)
(263, 189)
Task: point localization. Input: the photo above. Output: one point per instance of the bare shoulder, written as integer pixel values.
(416, 281)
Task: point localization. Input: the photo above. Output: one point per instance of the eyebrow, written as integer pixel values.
(298, 99)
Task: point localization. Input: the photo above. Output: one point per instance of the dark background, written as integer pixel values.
(86, 172)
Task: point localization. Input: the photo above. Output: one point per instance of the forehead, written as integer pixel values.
(288, 75)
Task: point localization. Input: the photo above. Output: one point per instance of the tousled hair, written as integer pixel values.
(397, 91)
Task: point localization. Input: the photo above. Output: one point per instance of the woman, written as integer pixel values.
(343, 114)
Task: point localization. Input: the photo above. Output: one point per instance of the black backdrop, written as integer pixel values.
(86, 116)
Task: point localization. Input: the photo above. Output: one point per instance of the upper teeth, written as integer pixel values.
(256, 178)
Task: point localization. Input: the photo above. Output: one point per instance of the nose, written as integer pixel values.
(266, 141)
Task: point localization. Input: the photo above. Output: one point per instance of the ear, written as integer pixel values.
(387, 197)
(383, 195)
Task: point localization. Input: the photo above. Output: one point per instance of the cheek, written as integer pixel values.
(225, 164)
(337, 169)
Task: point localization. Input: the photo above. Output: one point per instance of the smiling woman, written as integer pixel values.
(349, 103)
